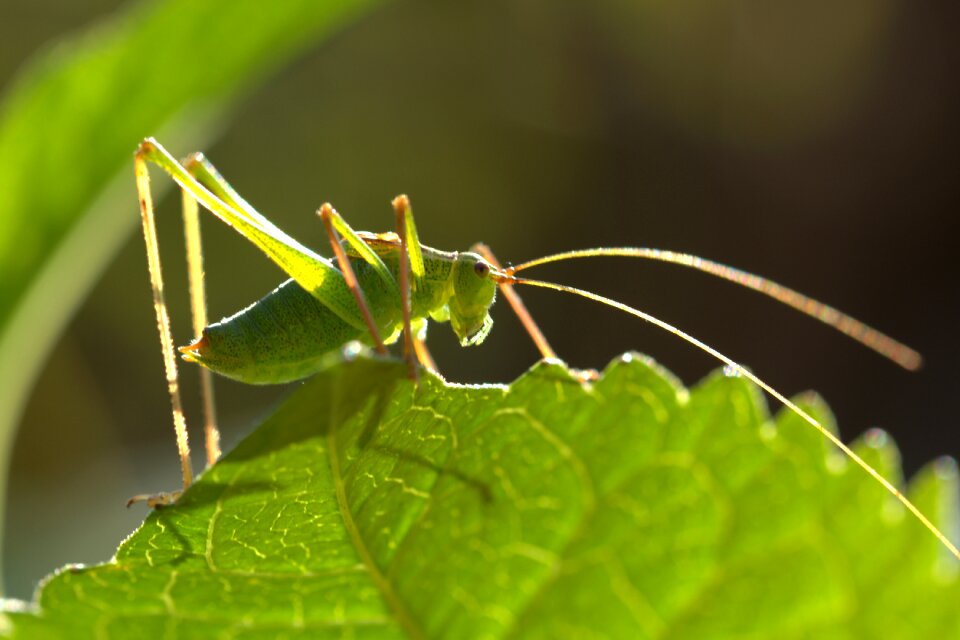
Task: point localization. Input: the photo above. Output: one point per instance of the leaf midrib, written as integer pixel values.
(400, 612)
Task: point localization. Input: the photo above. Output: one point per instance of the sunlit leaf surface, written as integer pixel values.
(631, 508)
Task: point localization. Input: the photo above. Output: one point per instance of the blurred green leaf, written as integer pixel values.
(70, 123)
(632, 508)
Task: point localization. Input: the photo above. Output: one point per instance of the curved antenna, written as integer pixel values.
(864, 334)
(760, 383)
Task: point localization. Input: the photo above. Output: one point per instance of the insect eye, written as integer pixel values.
(481, 268)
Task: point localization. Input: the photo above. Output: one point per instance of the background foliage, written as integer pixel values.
(805, 142)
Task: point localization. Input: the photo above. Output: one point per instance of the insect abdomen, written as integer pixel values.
(280, 338)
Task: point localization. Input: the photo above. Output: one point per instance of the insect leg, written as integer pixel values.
(198, 167)
(166, 339)
(423, 355)
(314, 273)
(327, 214)
(517, 304)
(207, 175)
(407, 231)
(330, 217)
(408, 237)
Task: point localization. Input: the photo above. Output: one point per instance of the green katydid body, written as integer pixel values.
(285, 335)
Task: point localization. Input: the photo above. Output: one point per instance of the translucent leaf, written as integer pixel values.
(630, 508)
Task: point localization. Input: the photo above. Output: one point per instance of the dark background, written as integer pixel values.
(814, 143)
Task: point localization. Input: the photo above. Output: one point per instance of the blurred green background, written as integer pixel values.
(810, 142)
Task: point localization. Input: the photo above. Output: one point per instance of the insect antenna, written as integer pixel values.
(739, 369)
(864, 334)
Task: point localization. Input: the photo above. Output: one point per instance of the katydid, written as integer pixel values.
(384, 286)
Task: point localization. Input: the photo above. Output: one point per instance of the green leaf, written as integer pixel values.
(69, 127)
(630, 508)
(77, 113)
